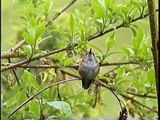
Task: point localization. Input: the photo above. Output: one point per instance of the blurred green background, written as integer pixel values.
(12, 24)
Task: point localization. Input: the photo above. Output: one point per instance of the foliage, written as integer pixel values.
(132, 80)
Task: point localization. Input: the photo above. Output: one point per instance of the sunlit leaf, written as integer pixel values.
(34, 108)
(72, 22)
(99, 10)
(110, 41)
(62, 106)
(27, 50)
(28, 38)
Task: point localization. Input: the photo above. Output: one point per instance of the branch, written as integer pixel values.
(154, 36)
(99, 34)
(96, 35)
(14, 72)
(112, 70)
(60, 12)
(12, 52)
(137, 102)
(119, 63)
(43, 66)
(36, 58)
(126, 96)
(70, 74)
(42, 90)
(72, 66)
(141, 95)
(110, 88)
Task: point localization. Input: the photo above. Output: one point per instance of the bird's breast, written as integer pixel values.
(88, 70)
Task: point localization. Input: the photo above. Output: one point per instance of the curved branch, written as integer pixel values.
(33, 96)
(126, 96)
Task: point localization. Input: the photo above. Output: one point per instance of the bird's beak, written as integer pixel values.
(90, 51)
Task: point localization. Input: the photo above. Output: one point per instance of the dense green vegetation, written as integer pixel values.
(49, 39)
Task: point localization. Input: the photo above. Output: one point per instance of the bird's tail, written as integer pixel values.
(86, 83)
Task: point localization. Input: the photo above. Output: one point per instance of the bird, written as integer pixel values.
(88, 69)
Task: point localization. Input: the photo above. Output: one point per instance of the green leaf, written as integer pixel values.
(60, 56)
(100, 21)
(137, 39)
(82, 35)
(82, 43)
(22, 96)
(124, 10)
(27, 49)
(29, 80)
(47, 6)
(120, 88)
(133, 28)
(33, 22)
(120, 72)
(143, 4)
(28, 38)
(72, 23)
(151, 76)
(99, 10)
(110, 41)
(62, 106)
(34, 108)
(95, 47)
(109, 3)
(128, 50)
(136, 4)
(39, 30)
(68, 61)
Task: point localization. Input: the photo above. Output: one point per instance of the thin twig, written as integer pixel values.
(119, 63)
(60, 12)
(70, 74)
(42, 66)
(137, 102)
(141, 95)
(14, 72)
(42, 90)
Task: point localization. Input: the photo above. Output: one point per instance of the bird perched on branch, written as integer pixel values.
(88, 69)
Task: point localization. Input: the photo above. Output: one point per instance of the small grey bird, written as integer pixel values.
(88, 69)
